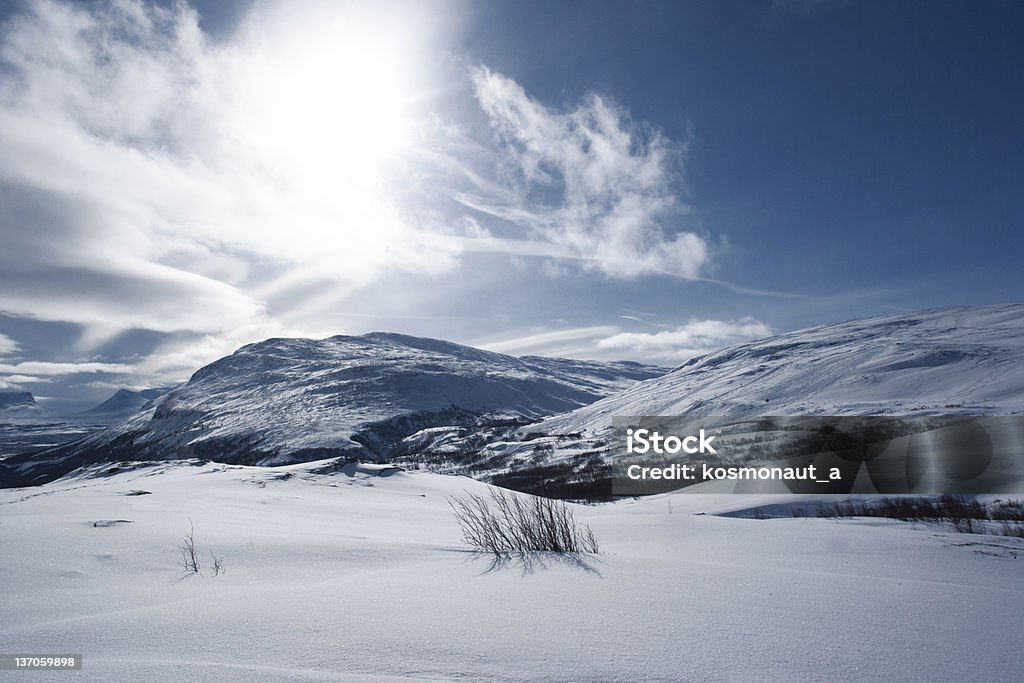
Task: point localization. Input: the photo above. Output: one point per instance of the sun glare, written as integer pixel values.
(329, 96)
(322, 105)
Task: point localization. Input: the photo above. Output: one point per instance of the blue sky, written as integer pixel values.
(640, 180)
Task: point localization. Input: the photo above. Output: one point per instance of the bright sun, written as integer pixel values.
(329, 92)
(322, 105)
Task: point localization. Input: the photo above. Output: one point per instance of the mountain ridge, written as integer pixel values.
(967, 359)
(950, 361)
(385, 396)
(287, 400)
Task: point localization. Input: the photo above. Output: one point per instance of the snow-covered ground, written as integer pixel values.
(363, 575)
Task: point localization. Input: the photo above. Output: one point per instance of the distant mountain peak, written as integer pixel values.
(20, 407)
(16, 399)
(123, 404)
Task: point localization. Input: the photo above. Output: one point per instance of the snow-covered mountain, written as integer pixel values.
(21, 406)
(967, 360)
(955, 361)
(387, 397)
(291, 400)
(123, 404)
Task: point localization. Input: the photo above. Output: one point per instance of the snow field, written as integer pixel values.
(362, 575)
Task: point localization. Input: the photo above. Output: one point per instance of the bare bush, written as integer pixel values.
(965, 515)
(1012, 529)
(513, 523)
(218, 564)
(1008, 510)
(189, 553)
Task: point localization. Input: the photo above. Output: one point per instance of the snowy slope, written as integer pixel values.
(362, 575)
(289, 400)
(967, 360)
(956, 361)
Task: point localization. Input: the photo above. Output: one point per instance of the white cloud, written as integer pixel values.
(573, 342)
(45, 368)
(692, 339)
(110, 386)
(17, 380)
(610, 342)
(7, 345)
(15, 375)
(588, 184)
(226, 191)
(154, 179)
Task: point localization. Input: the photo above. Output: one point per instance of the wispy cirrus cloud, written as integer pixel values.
(571, 341)
(153, 178)
(45, 368)
(611, 342)
(686, 341)
(586, 184)
(219, 191)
